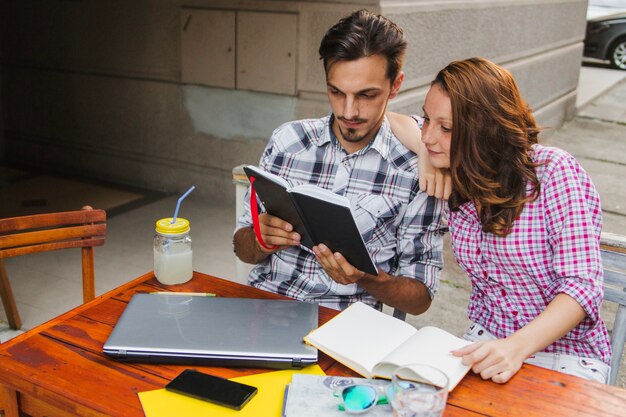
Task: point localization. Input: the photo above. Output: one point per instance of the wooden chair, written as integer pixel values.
(613, 250)
(24, 235)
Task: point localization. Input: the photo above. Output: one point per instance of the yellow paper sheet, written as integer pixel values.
(268, 402)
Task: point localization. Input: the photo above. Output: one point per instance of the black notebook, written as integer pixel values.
(317, 214)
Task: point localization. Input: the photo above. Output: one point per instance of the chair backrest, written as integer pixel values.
(46, 232)
(25, 235)
(613, 254)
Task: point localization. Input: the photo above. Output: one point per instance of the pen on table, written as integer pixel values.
(199, 294)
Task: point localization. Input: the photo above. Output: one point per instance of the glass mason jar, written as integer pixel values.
(172, 251)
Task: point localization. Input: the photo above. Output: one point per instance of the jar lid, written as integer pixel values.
(166, 227)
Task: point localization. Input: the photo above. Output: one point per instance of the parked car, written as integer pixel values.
(606, 37)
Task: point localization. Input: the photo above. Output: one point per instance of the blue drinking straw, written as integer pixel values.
(180, 200)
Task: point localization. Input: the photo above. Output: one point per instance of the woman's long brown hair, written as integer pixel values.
(493, 130)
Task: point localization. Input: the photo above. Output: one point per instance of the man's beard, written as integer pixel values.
(350, 135)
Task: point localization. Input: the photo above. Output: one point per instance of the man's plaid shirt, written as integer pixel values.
(402, 227)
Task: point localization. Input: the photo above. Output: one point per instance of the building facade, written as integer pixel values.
(162, 94)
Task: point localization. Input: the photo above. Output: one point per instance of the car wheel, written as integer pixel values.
(617, 54)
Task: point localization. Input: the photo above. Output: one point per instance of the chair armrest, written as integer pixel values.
(612, 241)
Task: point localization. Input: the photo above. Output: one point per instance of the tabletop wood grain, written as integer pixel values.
(59, 370)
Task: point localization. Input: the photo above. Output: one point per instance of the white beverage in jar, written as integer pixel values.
(172, 251)
(173, 268)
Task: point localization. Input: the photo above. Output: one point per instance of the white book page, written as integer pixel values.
(360, 336)
(431, 346)
(321, 194)
(272, 177)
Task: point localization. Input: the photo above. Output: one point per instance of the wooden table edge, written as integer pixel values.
(76, 310)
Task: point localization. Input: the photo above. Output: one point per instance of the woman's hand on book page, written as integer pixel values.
(276, 232)
(336, 266)
(497, 360)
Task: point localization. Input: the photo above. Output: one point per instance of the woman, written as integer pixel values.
(525, 224)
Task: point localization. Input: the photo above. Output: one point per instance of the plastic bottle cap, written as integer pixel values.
(166, 227)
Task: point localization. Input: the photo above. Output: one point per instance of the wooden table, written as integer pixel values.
(58, 369)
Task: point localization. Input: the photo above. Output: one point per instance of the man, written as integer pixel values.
(352, 152)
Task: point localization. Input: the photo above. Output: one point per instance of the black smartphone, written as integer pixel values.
(212, 388)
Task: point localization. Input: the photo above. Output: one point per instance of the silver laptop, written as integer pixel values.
(214, 331)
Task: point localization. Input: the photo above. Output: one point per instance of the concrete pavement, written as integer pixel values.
(594, 81)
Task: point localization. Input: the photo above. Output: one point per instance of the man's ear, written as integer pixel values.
(395, 87)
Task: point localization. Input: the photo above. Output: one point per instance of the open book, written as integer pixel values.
(317, 214)
(374, 344)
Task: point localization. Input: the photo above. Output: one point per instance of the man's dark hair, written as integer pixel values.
(363, 34)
